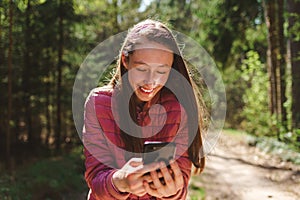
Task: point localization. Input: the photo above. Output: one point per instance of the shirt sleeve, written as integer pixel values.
(98, 157)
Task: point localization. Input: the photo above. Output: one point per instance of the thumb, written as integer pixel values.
(135, 162)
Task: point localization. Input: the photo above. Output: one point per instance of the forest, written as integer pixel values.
(255, 45)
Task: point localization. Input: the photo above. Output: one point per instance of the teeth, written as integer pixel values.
(146, 90)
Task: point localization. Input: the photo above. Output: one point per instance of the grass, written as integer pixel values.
(196, 193)
(234, 132)
(52, 178)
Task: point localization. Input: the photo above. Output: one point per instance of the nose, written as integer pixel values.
(150, 79)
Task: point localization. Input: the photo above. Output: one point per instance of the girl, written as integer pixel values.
(150, 98)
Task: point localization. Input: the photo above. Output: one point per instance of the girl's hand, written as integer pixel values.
(173, 181)
(130, 177)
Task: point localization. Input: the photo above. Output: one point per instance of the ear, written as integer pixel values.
(124, 60)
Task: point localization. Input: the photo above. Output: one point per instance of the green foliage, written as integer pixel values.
(52, 178)
(235, 88)
(226, 29)
(255, 111)
(223, 25)
(195, 192)
(294, 30)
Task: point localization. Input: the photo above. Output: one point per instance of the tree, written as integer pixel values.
(9, 84)
(26, 82)
(228, 30)
(282, 62)
(276, 59)
(60, 45)
(294, 45)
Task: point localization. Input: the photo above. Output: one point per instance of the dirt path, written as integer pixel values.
(236, 170)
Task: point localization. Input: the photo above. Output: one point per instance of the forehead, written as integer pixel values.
(152, 56)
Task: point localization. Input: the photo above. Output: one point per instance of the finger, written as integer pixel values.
(175, 168)
(152, 185)
(159, 174)
(156, 182)
(148, 168)
(178, 177)
(167, 177)
(150, 190)
(135, 185)
(147, 177)
(141, 192)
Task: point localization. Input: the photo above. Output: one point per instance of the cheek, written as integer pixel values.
(162, 80)
(134, 77)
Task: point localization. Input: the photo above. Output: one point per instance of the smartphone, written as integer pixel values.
(156, 151)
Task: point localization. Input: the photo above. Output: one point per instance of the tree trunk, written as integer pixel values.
(115, 16)
(48, 112)
(282, 63)
(2, 59)
(270, 10)
(9, 85)
(59, 76)
(276, 60)
(26, 76)
(294, 13)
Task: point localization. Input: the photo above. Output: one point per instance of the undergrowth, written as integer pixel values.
(284, 150)
(51, 178)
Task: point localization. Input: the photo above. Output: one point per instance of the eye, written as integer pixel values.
(161, 72)
(140, 69)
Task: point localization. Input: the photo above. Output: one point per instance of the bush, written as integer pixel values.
(51, 178)
(257, 118)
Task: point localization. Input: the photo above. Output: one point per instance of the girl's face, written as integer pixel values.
(148, 70)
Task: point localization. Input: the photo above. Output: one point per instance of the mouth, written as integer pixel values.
(146, 90)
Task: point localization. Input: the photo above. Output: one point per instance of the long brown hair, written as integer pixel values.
(154, 31)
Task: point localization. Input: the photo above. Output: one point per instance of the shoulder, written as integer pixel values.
(102, 91)
(102, 95)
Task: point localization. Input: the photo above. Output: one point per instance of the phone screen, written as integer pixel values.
(158, 151)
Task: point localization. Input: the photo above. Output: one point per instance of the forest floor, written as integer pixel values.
(235, 170)
(238, 168)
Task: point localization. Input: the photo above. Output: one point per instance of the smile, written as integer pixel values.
(146, 90)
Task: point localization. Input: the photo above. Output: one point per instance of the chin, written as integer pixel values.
(144, 99)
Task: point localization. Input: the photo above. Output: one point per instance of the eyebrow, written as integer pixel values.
(143, 63)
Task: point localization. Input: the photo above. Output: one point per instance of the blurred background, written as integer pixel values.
(255, 44)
